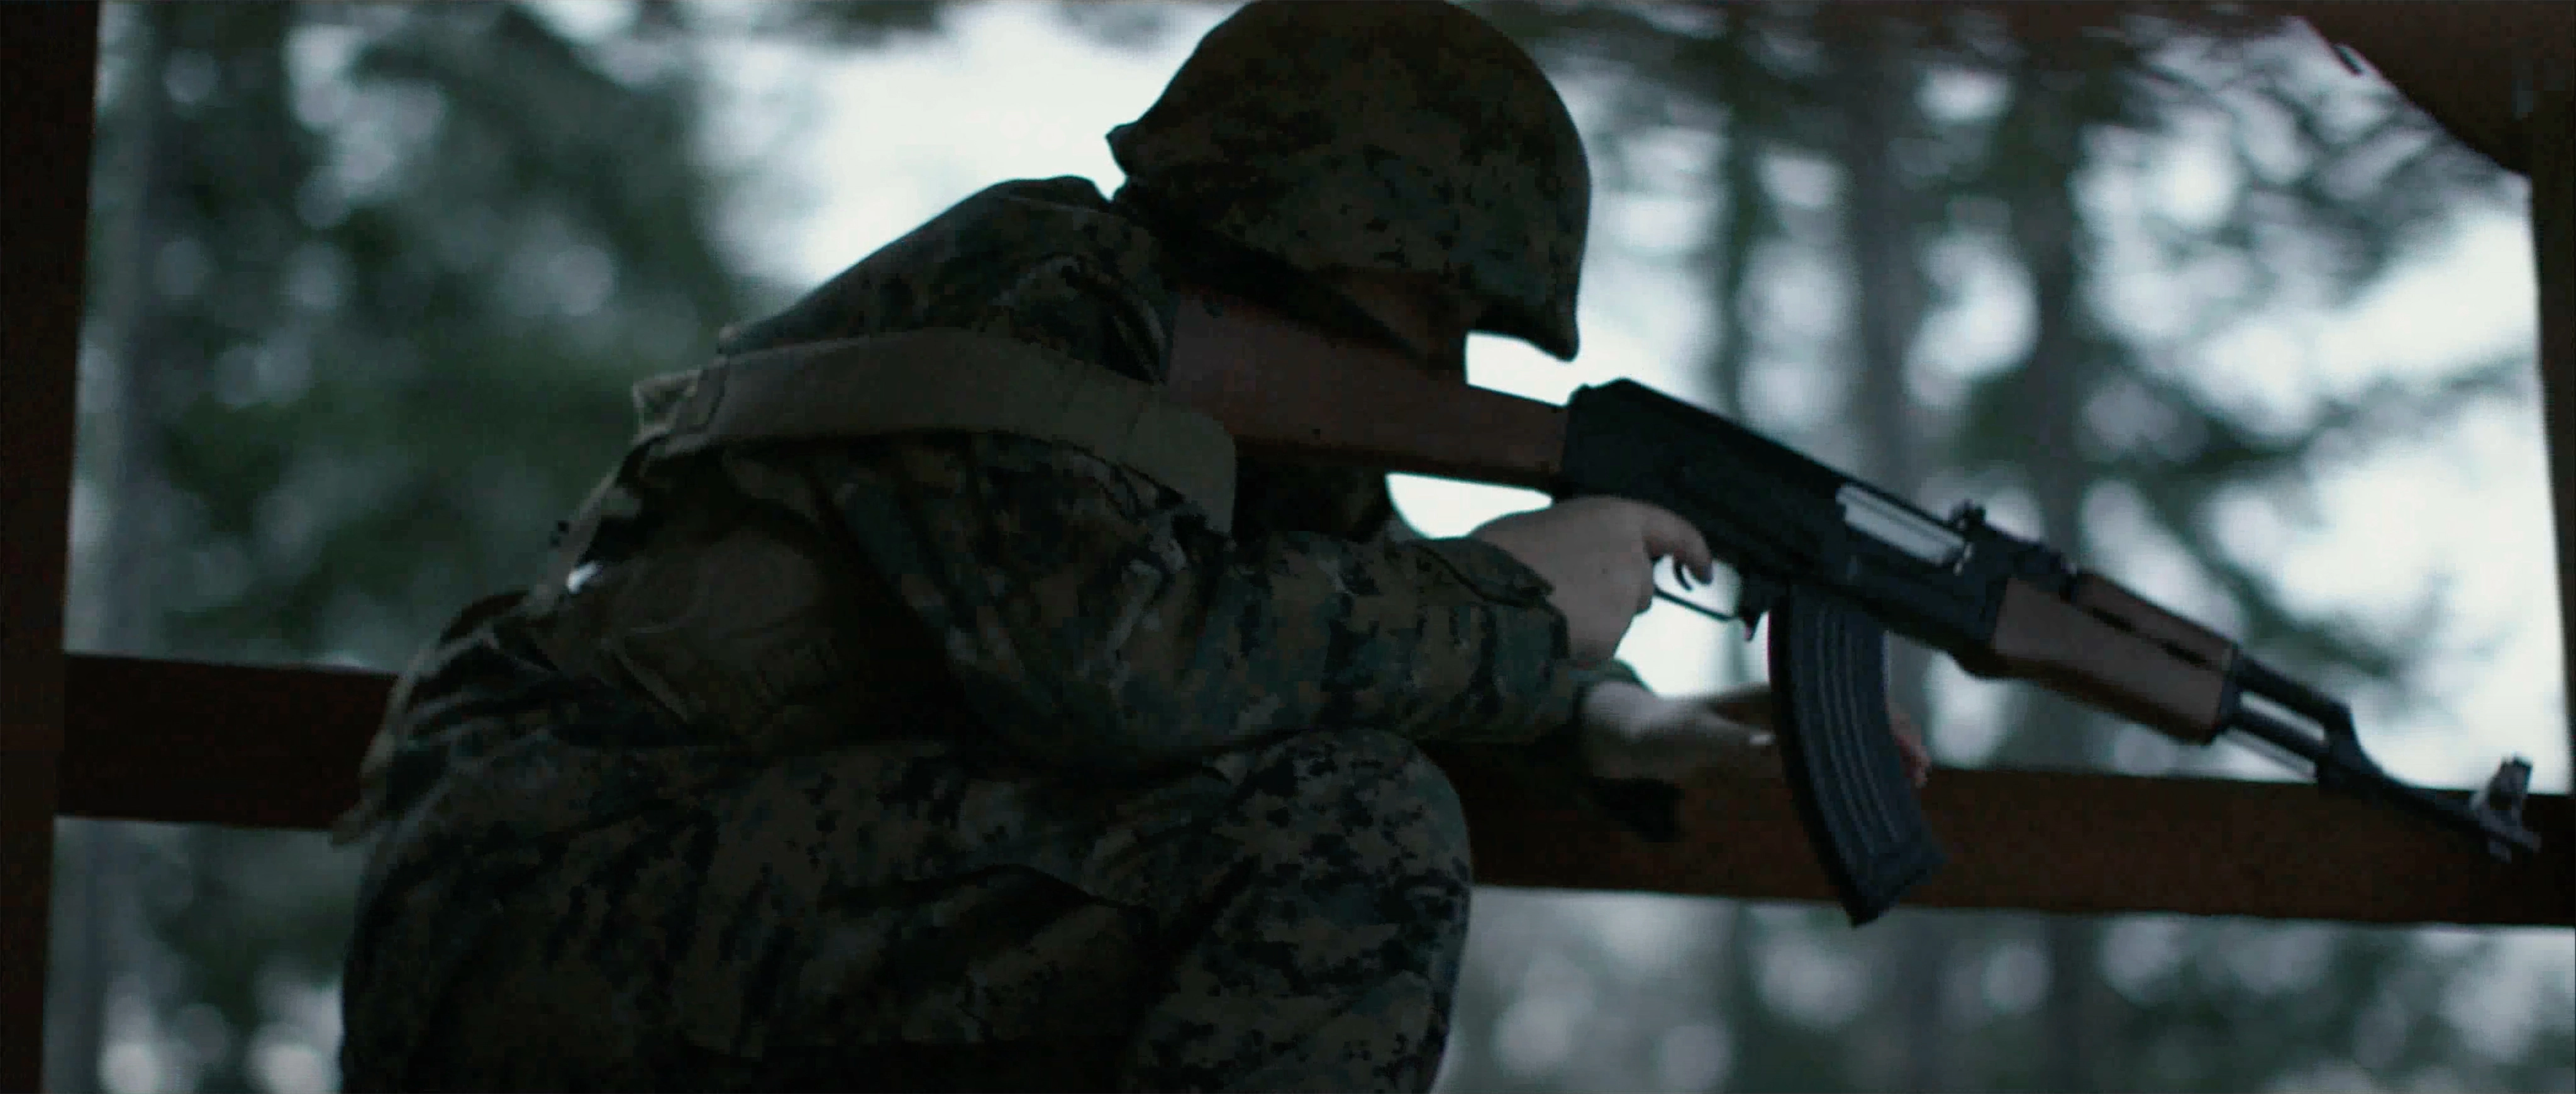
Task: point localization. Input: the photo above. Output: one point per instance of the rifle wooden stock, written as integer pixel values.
(1288, 391)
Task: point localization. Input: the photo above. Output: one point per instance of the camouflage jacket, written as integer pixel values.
(1093, 619)
(1039, 653)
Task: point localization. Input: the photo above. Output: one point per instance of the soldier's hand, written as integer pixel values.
(1629, 732)
(1600, 555)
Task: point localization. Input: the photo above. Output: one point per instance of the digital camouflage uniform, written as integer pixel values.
(951, 759)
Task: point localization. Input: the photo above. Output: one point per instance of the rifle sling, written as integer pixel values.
(947, 379)
(933, 380)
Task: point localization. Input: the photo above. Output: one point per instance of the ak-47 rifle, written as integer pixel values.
(1833, 561)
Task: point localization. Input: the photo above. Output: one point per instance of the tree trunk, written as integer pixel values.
(1879, 228)
(101, 935)
(2054, 733)
(1736, 237)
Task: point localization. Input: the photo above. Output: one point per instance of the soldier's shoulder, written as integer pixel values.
(965, 260)
(1019, 217)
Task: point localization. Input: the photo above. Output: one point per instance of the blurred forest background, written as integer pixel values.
(368, 284)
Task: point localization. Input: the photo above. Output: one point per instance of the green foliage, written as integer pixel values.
(860, 23)
(379, 277)
(538, 247)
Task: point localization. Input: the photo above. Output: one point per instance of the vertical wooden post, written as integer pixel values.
(52, 59)
(2502, 79)
(2551, 135)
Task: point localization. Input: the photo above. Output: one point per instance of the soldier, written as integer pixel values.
(886, 720)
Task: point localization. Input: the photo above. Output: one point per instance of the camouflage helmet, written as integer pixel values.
(1402, 136)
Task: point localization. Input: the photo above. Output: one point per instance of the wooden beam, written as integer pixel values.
(279, 747)
(188, 743)
(2449, 58)
(2551, 146)
(44, 175)
(2456, 61)
(2058, 842)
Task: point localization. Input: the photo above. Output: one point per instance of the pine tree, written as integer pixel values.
(2364, 186)
(372, 283)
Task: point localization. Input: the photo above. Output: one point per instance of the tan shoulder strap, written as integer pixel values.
(913, 381)
(946, 379)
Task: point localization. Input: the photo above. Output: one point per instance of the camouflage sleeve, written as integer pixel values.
(1095, 619)
(1400, 530)
(1552, 767)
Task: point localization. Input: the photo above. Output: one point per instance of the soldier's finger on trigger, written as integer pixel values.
(1668, 534)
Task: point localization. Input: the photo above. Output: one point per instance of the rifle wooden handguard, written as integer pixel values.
(2098, 648)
